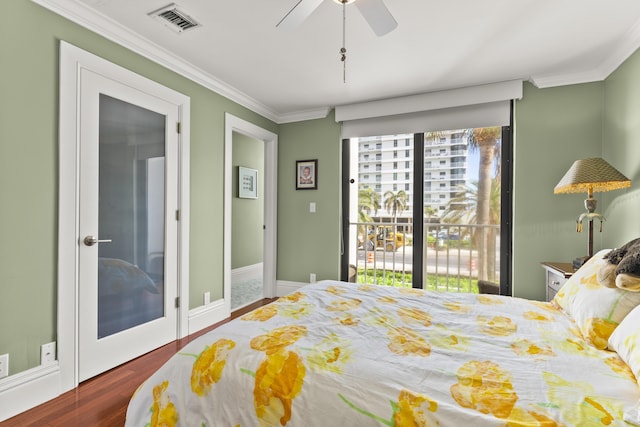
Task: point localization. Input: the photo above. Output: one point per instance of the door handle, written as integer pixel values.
(92, 240)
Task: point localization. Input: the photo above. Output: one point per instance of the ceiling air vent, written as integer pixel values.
(176, 19)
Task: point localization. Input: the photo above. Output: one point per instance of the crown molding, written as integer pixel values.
(88, 18)
(626, 46)
(298, 116)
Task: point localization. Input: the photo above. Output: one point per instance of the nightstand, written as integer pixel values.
(556, 274)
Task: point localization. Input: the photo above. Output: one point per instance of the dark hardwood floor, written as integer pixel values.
(103, 400)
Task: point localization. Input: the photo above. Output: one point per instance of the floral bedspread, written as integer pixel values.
(338, 354)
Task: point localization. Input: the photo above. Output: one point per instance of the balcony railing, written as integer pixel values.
(451, 259)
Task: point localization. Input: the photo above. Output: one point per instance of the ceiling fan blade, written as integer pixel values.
(299, 13)
(377, 15)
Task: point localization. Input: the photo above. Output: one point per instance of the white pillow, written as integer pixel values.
(597, 310)
(625, 340)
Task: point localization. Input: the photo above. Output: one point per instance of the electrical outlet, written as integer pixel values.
(48, 353)
(312, 278)
(4, 365)
(207, 298)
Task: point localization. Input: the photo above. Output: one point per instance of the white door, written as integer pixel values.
(128, 180)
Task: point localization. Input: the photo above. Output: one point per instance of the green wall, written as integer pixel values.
(553, 128)
(29, 42)
(248, 214)
(621, 147)
(309, 242)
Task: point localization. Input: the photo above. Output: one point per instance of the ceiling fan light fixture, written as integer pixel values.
(344, 1)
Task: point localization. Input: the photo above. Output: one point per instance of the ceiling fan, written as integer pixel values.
(374, 12)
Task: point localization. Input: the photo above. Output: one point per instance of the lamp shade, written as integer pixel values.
(589, 175)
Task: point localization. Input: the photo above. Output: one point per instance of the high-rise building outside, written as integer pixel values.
(385, 163)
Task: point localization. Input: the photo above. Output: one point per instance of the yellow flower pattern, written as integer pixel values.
(489, 300)
(449, 339)
(619, 367)
(379, 318)
(208, 367)
(415, 410)
(278, 381)
(292, 297)
(414, 316)
(598, 331)
(497, 325)
(405, 341)
(262, 314)
(163, 411)
(485, 387)
(347, 319)
(457, 307)
(579, 403)
(532, 417)
(296, 310)
(278, 338)
(331, 355)
(524, 347)
(280, 376)
(412, 292)
(335, 290)
(534, 315)
(344, 304)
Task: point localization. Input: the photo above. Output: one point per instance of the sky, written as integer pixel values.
(473, 158)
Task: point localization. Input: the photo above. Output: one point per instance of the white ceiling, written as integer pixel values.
(290, 75)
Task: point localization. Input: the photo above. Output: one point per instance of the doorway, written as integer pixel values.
(269, 140)
(247, 245)
(122, 141)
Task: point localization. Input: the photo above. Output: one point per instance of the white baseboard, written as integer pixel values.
(248, 272)
(25, 390)
(285, 287)
(207, 315)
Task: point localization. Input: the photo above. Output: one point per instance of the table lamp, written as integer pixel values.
(593, 174)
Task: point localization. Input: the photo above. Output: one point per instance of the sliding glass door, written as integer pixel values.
(426, 210)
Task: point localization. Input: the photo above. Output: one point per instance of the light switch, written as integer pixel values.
(312, 207)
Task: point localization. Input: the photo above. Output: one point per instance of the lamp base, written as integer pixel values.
(578, 262)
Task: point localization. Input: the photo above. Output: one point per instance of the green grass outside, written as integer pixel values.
(442, 283)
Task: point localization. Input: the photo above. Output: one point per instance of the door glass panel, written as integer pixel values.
(382, 228)
(462, 209)
(131, 216)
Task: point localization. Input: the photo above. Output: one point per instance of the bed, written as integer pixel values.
(343, 354)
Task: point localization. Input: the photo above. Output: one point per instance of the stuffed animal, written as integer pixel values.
(623, 267)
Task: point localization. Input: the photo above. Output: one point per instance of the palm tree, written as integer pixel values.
(460, 210)
(395, 202)
(487, 142)
(368, 202)
(461, 207)
(430, 212)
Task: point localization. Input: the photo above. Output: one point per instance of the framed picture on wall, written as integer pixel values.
(307, 174)
(247, 183)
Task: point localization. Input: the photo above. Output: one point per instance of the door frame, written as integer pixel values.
(270, 139)
(72, 61)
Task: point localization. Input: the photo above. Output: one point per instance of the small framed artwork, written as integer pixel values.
(307, 174)
(247, 183)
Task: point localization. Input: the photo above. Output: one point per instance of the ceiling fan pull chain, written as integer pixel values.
(343, 49)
